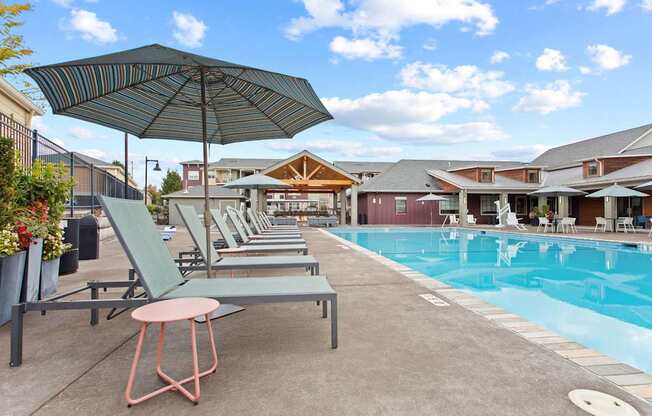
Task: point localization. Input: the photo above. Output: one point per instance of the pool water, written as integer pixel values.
(598, 294)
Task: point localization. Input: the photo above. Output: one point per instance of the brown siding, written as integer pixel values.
(472, 173)
(614, 164)
(188, 168)
(384, 212)
(517, 174)
(588, 209)
(447, 187)
(647, 206)
(585, 168)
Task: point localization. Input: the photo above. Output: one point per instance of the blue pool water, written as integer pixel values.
(598, 294)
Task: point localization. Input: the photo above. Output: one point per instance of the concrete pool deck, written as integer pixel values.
(399, 354)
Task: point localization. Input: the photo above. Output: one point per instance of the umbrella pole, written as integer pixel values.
(207, 214)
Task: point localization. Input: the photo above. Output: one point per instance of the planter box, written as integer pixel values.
(49, 277)
(32, 279)
(12, 269)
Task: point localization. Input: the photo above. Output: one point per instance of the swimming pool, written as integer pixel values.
(598, 294)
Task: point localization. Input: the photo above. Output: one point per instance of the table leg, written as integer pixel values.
(134, 366)
(195, 360)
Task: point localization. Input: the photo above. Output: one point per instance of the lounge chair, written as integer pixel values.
(266, 224)
(197, 261)
(247, 235)
(260, 230)
(512, 220)
(470, 219)
(160, 279)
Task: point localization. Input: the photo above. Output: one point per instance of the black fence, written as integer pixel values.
(91, 180)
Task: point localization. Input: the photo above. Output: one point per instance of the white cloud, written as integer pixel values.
(466, 80)
(90, 27)
(38, 124)
(82, 133)
(551, 60)
(188, 30)
(96, 153)
(610, 6)
(58, 142)
(63, 3)
(520, 152)
(607, 58)
(553, 97)
(387, 18)
(342, 149)
(365, 48)
(499, 56)
(407, 116)
(431, 44)
(647, 5)
(585, 70)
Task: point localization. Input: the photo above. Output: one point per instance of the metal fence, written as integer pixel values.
(90, 179)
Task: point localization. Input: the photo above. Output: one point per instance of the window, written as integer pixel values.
(521, 205)
(400, 204)
(486, 175)
(450, 206)
(533, 176)
(487, 206)
(593, 168)
(193, 175)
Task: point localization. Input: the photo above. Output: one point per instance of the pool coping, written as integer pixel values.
(628, 378)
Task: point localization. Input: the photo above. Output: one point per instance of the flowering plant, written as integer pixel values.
(31, 223)
(53, 245)
(8, 242)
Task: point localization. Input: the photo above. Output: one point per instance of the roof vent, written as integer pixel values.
(598, 404)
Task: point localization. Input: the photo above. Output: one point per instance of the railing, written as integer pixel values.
(90, 180)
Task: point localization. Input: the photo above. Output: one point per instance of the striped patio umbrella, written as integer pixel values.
(155, 92)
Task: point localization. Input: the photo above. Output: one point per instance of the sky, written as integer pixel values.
(419, 79)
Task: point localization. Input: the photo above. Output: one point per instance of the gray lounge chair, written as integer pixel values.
(247, 238)
(263, 227)
(197, 261)
(258, 229)
(159, 278)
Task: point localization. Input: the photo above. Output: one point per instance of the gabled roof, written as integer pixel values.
(637, 172)
(213, 192)
(243, 163)
(355, 167)
(409, 175)
(192, 162)
(314, 157)
(501, 183)
(607, 145)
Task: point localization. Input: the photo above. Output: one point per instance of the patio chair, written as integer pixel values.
(252, 245)
(259, 229)
(247, 234)
(566, 225)
(198, 261)
(453, 220)
(267, 224)
(512, 220)
(470, 219)
(626, 224)
(159, 279)
(545, 223)
(600, 222)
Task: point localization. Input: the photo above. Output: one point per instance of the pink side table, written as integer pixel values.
(170, 311)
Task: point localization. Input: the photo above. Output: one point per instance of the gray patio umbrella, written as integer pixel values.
(616, 191)
(557, 191)
(431, 197)
(257, 181)
(156, 92)
(647, 186)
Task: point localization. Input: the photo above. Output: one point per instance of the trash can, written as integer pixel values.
(89, 238)
(70, 259)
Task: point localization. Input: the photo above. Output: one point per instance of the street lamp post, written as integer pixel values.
(157, 168)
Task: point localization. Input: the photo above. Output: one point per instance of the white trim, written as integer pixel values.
(20, 98)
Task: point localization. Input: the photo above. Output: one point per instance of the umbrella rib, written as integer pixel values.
(61, 110)
(165, 106)
(217, 123)
(259, 109)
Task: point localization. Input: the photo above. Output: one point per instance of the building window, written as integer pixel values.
(486, 175)
(533, 176)
(521, 205)
(487, 206)
(450, 206)
(193, 175)
(400, 202)
(593, 168)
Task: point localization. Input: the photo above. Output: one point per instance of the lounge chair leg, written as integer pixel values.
(95, 313)
(333, 322)
(16, 358)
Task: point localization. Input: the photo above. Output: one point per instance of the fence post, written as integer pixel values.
(72, 189)
(34, 145)
(92, 188)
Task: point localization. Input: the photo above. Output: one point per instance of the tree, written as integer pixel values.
(12, 46)
(154, 194)
(171, 182)
(118, 163)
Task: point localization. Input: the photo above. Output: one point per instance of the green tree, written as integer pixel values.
(12, 46)
(171, 183)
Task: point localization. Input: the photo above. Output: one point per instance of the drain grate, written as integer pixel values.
(601, 404)
(433, 299)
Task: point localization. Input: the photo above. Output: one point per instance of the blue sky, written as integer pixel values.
(486, 79)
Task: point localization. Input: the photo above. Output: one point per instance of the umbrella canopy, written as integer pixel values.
(616, 191)
(557, 191)
(257, 181)
(647, 186)
(157, 92)
(432, 197)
